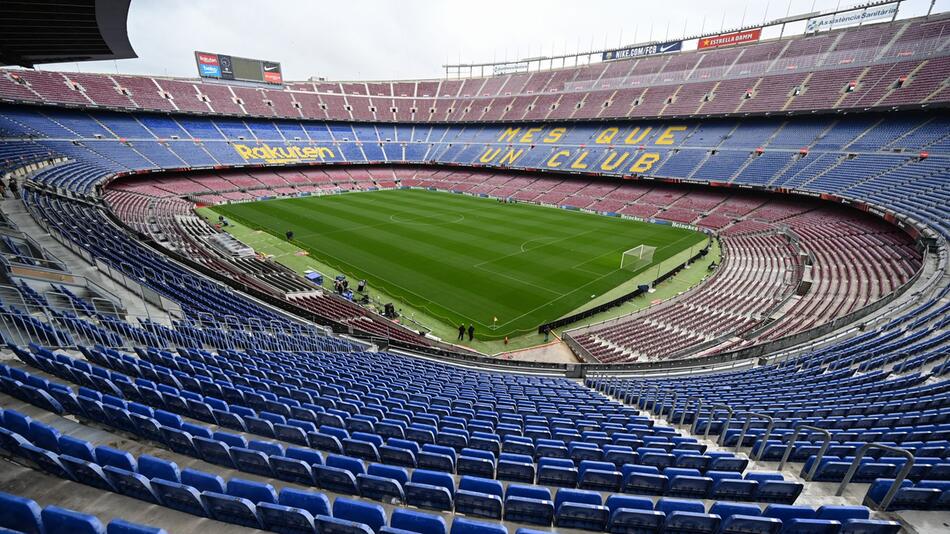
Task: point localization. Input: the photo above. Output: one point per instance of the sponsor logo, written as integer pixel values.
(645, 50)
(684, 226)
(209, 71)
(859, 16)
(285, 154)
(207, 59)
(208, 65)
(729, 39)
(272, 72)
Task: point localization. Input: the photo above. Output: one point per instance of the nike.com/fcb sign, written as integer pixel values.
(271, 72)
(645, 50)
(729, 39)
(224, 67)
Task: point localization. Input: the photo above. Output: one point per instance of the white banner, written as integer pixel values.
(510, 68)
(858, 16)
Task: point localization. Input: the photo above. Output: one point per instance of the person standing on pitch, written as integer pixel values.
(471, 331)
(461, 332)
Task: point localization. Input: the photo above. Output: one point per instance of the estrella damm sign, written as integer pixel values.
(283, 154)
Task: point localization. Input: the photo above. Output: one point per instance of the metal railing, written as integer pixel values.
(699, 408)
(712, 414)
(791, 445)
(750, 416)
(901, 475)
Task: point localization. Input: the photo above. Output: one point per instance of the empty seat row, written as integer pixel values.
(19, 514)
(923, 495)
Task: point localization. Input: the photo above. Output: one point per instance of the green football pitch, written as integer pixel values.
(466, 259)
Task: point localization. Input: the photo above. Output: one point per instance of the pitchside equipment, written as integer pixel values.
(637, 258)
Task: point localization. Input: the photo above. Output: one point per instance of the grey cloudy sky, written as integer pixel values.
(399, 39)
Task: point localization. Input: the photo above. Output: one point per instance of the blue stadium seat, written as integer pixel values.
(335, 479)
(202, 481)
(731, 487)
(86, 472)
(56, 465)
(331, 525)
(181, 497)
(691, 522)
(870, 526)
(151, 467)
(289, 469)
(214, 451)
(77, 448)
(179, 441)
(476, 463)
(687, 483)
(599, 476)
(419, 522)
(430, 489)
(230, 509)
(633, 514)
(20, 514)
(479, 497)
(515, 468)
(114, 457)
(118, 526)
(285, 519)
(645, 483)
(557, 472)
(669, 505)
(58, 520)
(437, 457)
(528, 504)
(249, 461)
(44, 436)
(908, 497)
(255, 492)
(810, 526)
(582, 516)
(131, 484)
(316, 503)
(369, 514)
(311, 457)
(461, 525)
(383, 483)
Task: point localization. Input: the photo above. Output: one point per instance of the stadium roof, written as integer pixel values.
(56, 31)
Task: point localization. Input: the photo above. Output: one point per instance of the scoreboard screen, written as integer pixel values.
(224, 67)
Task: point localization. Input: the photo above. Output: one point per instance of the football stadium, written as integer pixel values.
(696, 284)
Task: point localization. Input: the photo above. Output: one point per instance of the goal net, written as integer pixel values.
(637, 258)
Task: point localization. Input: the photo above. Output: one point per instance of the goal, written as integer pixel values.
(637, 257)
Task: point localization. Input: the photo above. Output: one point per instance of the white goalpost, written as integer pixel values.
(637, 257)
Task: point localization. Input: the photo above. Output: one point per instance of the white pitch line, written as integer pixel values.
(522, 251)
(520, 281)
(557, 299)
